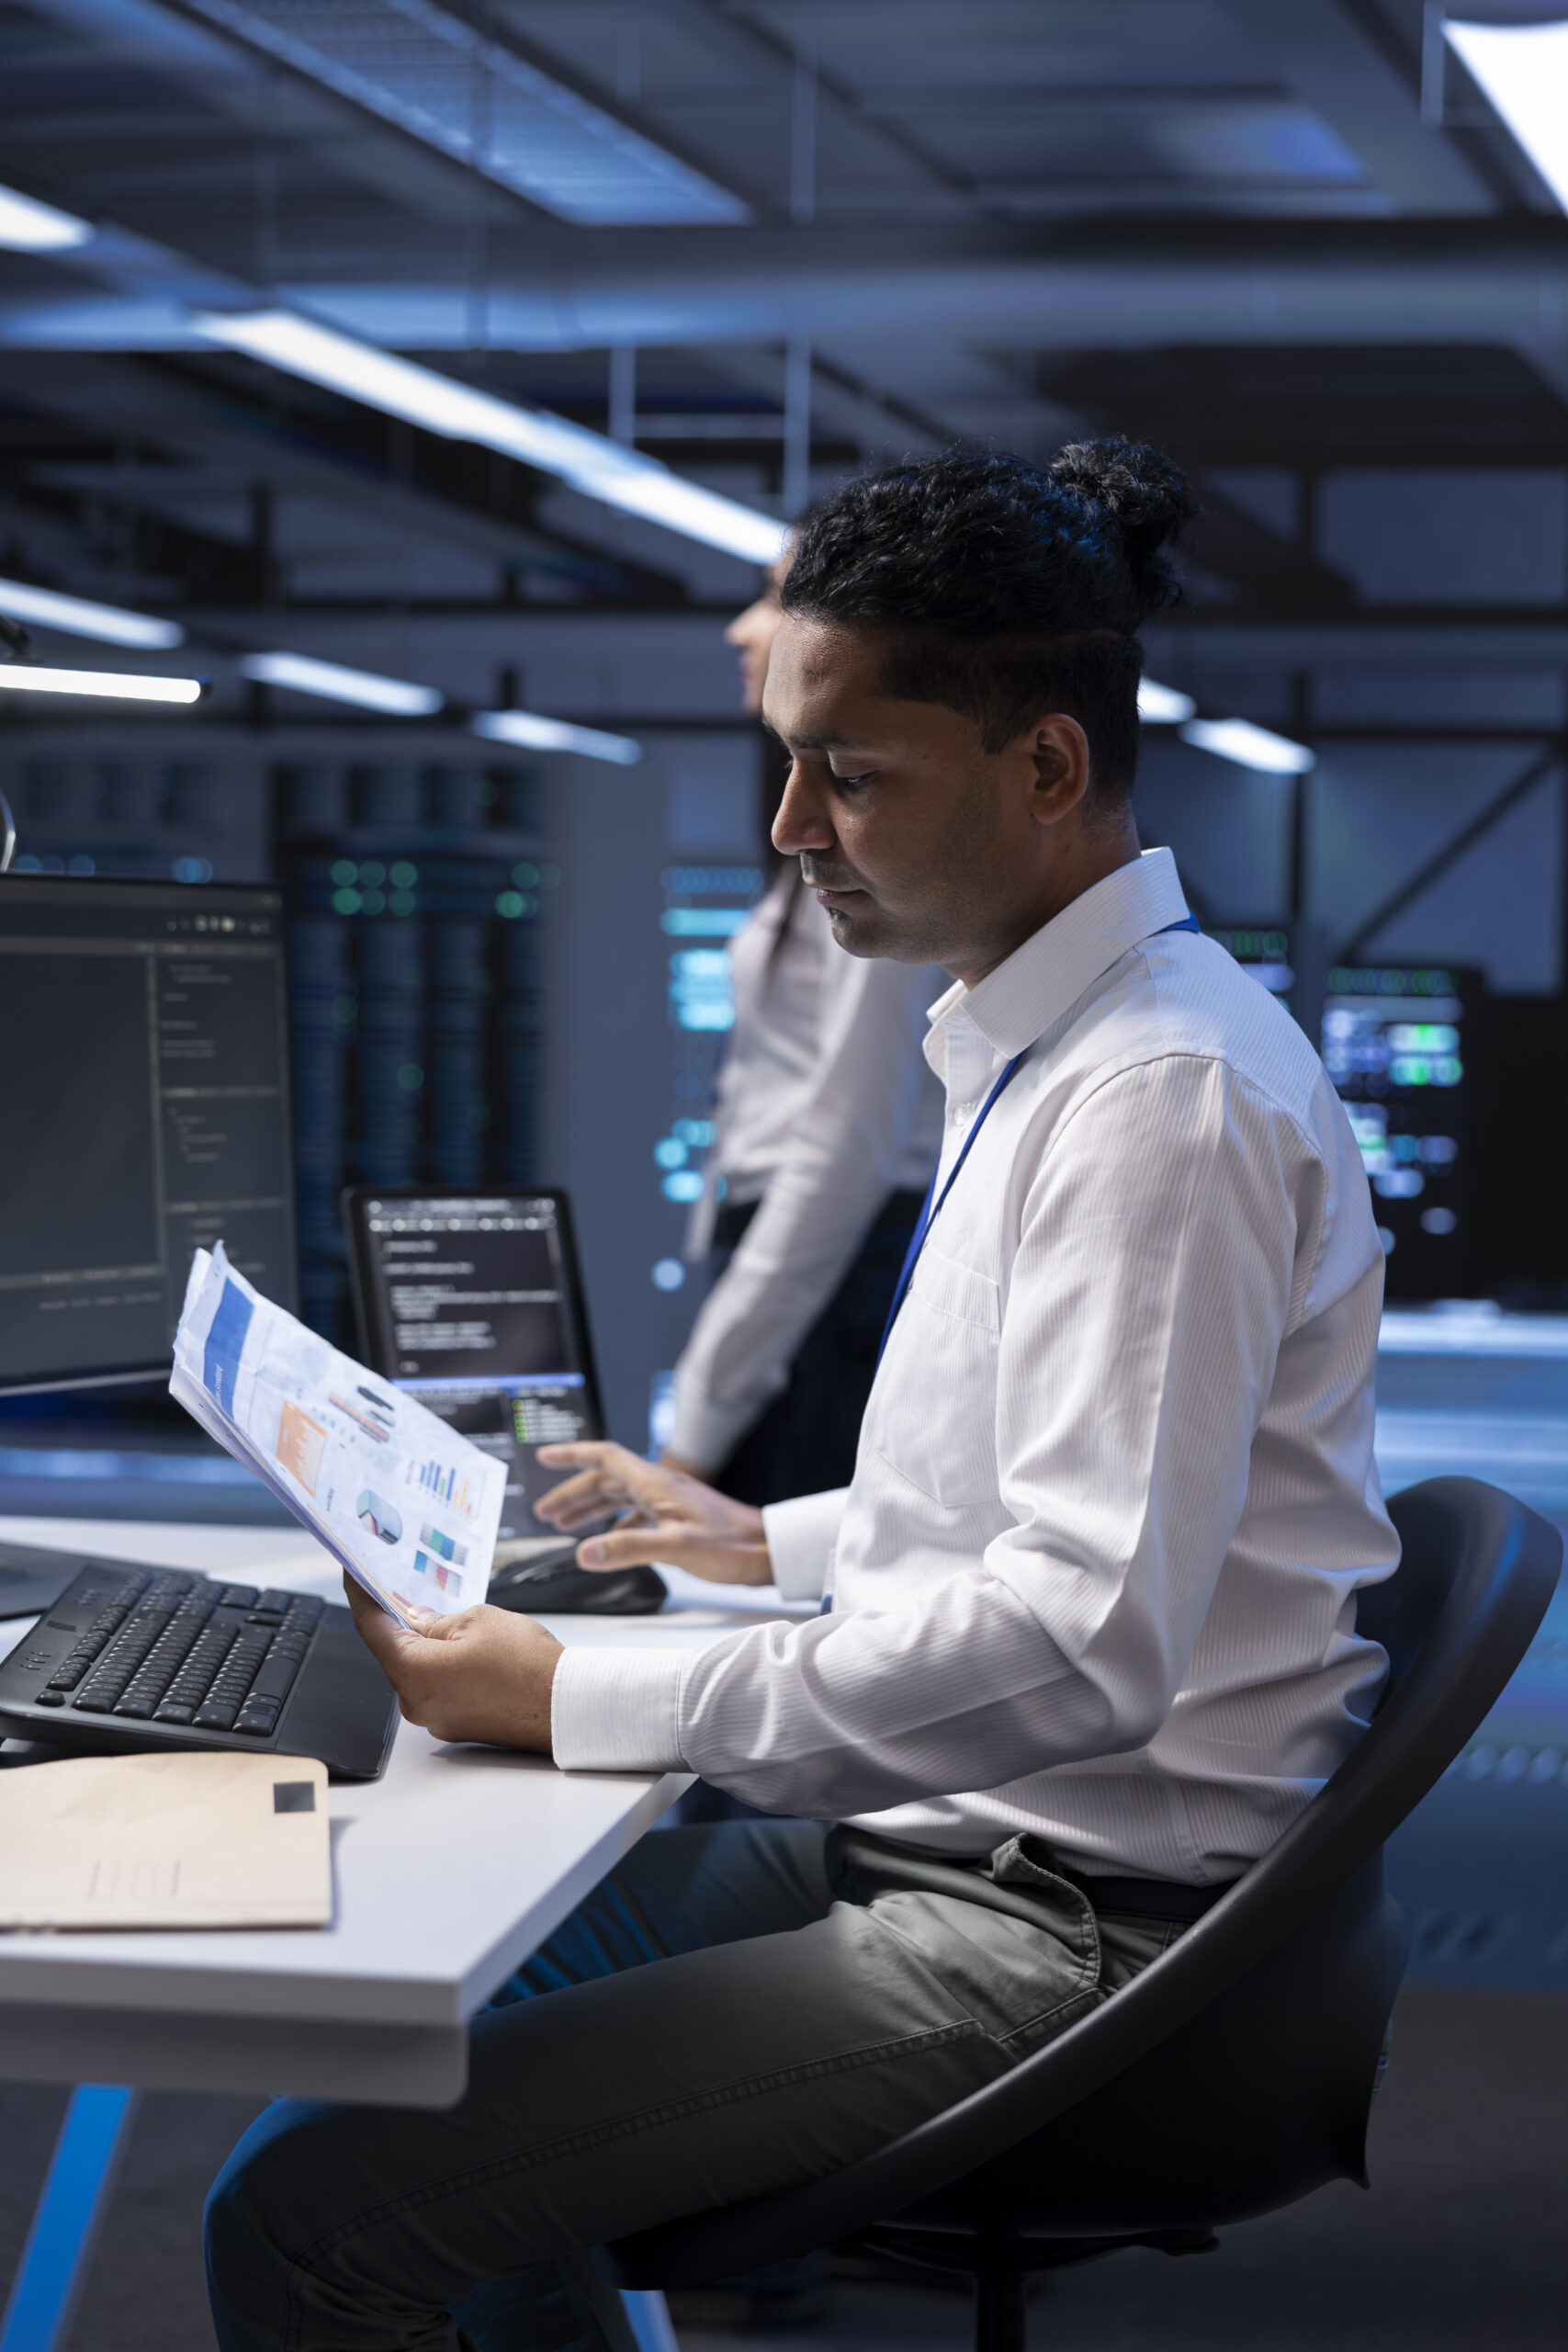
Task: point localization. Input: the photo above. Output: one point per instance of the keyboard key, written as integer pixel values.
(175, 1711)
(217, 1714)
(50, 1699)
(275, 1678)
(237, 1596)
(274, 1603)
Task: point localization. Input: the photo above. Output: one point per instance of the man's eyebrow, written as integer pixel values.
(814, 743)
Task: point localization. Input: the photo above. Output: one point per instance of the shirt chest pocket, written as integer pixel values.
(932, 1413)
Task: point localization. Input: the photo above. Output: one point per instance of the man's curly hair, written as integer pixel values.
(1006, 589)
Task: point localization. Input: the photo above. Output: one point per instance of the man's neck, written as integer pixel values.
(1104, 856)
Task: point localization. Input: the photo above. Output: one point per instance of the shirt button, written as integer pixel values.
(961, 1113)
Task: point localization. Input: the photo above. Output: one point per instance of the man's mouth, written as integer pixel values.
(832, 894)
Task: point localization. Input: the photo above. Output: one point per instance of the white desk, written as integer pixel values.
(448, 1872)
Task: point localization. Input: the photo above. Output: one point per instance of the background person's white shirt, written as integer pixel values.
(1095, 1574)
(825, 1107)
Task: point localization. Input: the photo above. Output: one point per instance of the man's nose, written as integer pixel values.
(802, 822)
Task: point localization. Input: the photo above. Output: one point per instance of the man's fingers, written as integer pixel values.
(388, 1641)
(716, 1558)
(590, 1453)
(618, 1472)
(585, 1496)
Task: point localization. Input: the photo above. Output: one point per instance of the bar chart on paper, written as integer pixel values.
(444, 1482)
(435, 1539)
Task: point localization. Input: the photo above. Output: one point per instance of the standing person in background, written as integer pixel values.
(830, 1124)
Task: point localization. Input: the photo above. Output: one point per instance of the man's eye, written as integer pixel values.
(853, 780)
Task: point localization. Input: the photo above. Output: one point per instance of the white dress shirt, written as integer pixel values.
(1095, 1574)
(825, 1106)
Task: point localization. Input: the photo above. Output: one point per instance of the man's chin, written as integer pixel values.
(860, 928)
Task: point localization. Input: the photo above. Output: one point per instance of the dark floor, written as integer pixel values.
(1462, 2246)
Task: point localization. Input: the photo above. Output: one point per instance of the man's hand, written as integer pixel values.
(666, 1515)
(485, 1675)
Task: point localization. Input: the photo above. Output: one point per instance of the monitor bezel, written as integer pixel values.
(354, 1199)
(209, 893)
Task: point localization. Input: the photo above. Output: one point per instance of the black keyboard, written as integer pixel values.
(135, 1659)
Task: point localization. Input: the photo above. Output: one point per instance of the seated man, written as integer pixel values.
(1091, 1642)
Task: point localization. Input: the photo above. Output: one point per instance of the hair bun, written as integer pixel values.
(1146, 495)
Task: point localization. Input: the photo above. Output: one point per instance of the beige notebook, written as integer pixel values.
(207, 1840)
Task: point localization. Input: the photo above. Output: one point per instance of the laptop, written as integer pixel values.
(473, 1302)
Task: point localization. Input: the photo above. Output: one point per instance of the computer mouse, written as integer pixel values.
(551, 1580)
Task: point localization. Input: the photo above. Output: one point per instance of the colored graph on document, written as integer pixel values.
(443, 1482)
(436, 1540)
(447, 1578)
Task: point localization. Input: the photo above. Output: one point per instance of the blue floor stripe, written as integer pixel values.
(64, 2225)
(648, 2317)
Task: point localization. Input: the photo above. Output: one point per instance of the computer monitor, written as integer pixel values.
(473, 1303)
(144, 1099)
(1398, 1043)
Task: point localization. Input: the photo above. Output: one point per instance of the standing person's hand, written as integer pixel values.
(666, 1515)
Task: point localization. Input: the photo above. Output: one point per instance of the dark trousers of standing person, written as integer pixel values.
(804, 1442)
(738, 2007)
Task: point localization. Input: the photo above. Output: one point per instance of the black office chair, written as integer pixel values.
(1235, 2073)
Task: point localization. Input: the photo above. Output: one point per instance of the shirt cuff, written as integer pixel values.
(616, 1711)
(801, 1534)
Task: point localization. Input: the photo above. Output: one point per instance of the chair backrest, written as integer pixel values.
(1478, 1571)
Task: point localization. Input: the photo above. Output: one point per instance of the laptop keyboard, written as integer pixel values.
(159, 1652)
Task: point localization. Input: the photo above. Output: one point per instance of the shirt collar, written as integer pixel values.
(1016, 1004)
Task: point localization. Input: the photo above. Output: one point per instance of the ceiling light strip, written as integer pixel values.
(302, 675)
(76, 617)
(1250, 746)
(1163, 706)
(25, 678)
(600, 469)
(531, 732)
(1523, 71)
(29, 227)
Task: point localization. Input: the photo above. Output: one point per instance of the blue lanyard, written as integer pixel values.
(934, 1206)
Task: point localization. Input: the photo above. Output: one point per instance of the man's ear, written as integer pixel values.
(1059, 748)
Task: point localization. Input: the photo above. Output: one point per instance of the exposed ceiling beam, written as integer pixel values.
(1320, 51)
(772, 58)
(1499, 281)
(274, 108)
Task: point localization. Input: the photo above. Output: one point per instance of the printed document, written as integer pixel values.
(407, 1504)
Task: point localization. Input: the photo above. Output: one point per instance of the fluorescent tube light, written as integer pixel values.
(77, 617)
(29, 227)
(25, 678)
(590, 463)
(1163, 706)
(1523, 69)
(1250, 746)
(303, 675)
(536, 734)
